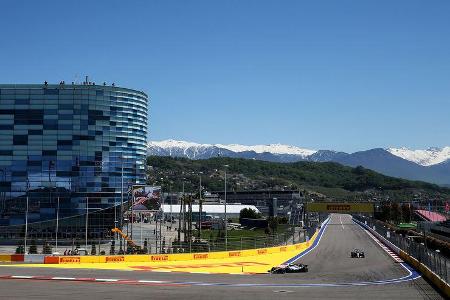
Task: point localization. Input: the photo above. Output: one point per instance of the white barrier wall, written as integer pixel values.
(34, 258)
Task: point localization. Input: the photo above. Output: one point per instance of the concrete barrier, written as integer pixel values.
(426, 272)
(5, 258)
(12, 258)
(34, 258)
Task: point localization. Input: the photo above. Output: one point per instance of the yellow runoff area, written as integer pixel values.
(248, 261)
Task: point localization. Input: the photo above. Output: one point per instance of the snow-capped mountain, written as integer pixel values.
(199, 151)
(180, 149)
(428, 157)
(272, 148)
(432, 165)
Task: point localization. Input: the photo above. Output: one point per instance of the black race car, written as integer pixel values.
(289, 268)
(357, 253)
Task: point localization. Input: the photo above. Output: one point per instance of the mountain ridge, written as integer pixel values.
(432, 165)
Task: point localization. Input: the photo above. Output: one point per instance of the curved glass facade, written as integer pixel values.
(68, 144)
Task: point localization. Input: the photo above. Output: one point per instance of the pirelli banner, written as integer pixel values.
(335, 207)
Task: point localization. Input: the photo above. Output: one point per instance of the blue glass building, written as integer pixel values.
(69, 146)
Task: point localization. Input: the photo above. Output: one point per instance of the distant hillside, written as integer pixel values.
(328, 178)
(386, 163)
(431, 165)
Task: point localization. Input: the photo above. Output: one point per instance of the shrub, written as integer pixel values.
(20, 249)
(47, 249)
(33, 247)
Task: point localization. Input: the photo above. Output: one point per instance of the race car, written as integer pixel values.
(289, 268)
(357, 253)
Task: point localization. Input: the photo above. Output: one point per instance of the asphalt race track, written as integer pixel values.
(332, 275)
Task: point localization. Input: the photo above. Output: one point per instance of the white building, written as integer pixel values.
(214, 210)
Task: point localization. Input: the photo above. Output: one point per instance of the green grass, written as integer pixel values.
(407, 225)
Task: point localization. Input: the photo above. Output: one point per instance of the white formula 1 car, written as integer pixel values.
(289, 268)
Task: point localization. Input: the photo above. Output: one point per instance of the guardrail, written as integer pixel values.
(434, 261)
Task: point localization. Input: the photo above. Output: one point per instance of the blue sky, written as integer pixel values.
(343, 75)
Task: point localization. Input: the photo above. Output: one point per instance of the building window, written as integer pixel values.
(20, 140)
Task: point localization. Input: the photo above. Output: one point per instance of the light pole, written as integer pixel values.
(121, 201)
(200, 206)
(132, 213)
(140, 227)
(163, 221)
(57, 226)
(26, 219)
(225, 202)
(179, 216)
(171, 202)
(120, 221)
(26, 227)
(87, 223)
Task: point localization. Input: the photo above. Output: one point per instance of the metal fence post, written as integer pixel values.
(445, 268)
(435, 261)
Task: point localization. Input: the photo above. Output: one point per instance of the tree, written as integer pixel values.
(406, 212)
(385, 212)
(395, 213)
(273, 224)
(282, 220)
(20, 249)
(248, 213)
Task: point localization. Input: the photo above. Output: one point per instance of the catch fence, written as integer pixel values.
(434, 260)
